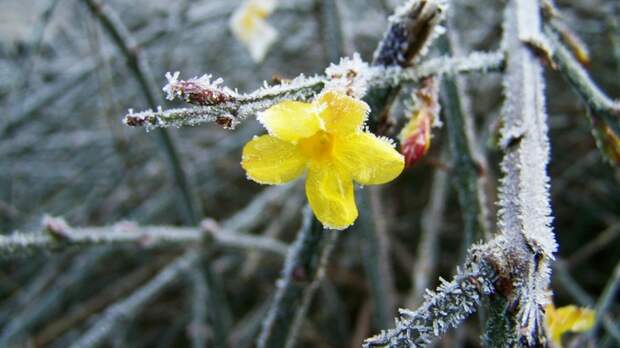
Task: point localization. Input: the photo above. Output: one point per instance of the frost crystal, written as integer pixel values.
(442, 309)
(198, 90)
(525, 212)
(350, 76)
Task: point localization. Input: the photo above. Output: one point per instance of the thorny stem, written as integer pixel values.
(56, 236)
(447, 307)
(303, 270)
(142, 72)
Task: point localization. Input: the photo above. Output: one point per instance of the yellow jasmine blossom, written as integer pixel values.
(250, 27)
(567, 319)
(325, 139)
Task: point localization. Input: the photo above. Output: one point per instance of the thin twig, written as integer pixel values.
(602, 107)
(198, 326)
(231, 112)
(52, 300)
(125, 309)
(602, 240)
(431, 225)
(606, 299)
(582, 297)
(142, 72)
(376, 261)
(56, 236)
(465, 167)
(442, 309)
(304, 267)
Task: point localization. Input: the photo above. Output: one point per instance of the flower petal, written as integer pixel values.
(330, 193)
(291, 120)
(269, 160)
(369, 159)
(341, 113)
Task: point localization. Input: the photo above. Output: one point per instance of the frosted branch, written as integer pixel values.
(442, 309)
(57, 235)
(526, 241)
(229, 112)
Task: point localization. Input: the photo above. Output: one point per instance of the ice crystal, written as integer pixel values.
(350, 76)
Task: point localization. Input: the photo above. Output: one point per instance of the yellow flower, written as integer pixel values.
(567, 319)
(250, 27)
(324, 138)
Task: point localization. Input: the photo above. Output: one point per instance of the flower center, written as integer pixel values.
(317, 147)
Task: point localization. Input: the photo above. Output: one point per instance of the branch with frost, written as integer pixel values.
(444, 308)
(516, 264)
(57, 235)
(303, 270)
(216, 103)
(526, 243)
(128, 307)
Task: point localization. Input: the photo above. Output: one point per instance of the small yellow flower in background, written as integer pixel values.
(567, 319)
(324, 138)
(250, 27)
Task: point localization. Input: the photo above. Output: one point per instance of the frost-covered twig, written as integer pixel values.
(139, 67)
(526, 243)
(482, 62)
(126, 308)
(464, 165)
(446, 307)
(57, 235)
(229, 112)
(303, 270)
